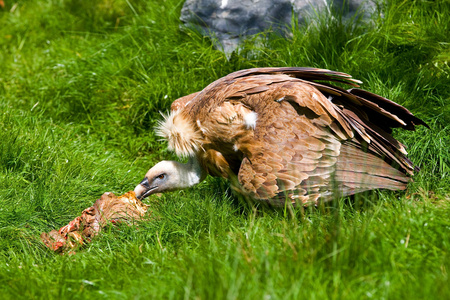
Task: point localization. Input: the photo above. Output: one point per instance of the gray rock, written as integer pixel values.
(227, 22)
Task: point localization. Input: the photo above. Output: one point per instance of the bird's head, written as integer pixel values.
(162, 177)
(168, 176)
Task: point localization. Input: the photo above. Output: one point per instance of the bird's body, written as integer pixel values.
(281, 134)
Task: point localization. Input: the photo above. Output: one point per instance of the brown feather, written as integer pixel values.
(181, 102)
(283, 134)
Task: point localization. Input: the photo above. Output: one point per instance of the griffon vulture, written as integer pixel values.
(284, 134)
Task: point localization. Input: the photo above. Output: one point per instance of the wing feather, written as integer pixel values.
(311, 140)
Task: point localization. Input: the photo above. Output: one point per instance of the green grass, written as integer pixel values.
(81, 87)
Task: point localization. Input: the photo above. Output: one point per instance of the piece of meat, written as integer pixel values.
(108, 209)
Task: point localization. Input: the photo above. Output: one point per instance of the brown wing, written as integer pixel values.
(302, 146)
(307, 150)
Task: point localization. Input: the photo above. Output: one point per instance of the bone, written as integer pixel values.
(81, 230)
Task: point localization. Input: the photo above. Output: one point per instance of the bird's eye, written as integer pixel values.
(161, 176)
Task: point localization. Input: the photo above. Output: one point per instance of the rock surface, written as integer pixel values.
(229, 21)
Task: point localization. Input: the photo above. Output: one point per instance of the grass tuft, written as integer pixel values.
(81, 87)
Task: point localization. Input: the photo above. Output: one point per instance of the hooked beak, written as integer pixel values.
(143, 189)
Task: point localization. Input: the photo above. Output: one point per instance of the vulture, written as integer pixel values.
(284, 136)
